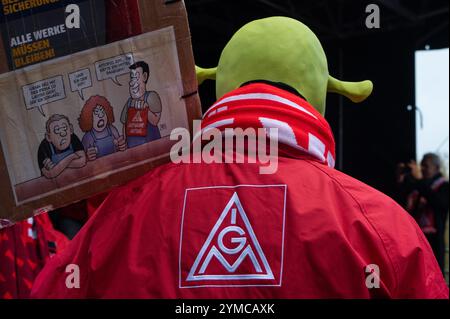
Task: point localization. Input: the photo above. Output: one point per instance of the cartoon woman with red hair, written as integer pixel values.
(101, 137)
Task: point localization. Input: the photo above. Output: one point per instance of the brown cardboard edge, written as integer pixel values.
(6, 194)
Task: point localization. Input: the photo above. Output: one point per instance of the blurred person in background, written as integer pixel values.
(423, 190)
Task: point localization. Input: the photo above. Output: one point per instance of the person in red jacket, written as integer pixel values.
(195, 229)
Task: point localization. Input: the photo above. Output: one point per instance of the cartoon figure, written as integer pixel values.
(61, 148)
(142, 112)
(101, 138)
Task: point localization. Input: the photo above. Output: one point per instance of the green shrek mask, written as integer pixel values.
(280, 49)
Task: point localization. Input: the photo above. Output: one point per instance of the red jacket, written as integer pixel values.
(225, 231)
(24, 249)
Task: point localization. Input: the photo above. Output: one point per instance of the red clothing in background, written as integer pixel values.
(24, 249)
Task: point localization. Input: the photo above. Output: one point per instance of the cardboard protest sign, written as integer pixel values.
(78, 125)
(36, 31)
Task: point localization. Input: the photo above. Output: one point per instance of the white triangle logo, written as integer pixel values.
(248, 248)
(137, 118)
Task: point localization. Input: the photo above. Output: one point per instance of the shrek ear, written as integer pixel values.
(355, 91)
(205, 74)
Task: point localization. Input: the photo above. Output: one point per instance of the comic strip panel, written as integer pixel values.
(96, 112)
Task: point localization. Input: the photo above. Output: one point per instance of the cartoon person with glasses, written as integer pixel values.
(101, 137)
(61, 148)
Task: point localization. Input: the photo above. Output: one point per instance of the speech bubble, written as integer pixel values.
(113, 67)
(80, 80)
(43, 92)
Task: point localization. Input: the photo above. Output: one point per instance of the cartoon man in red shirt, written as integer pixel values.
(142, 112)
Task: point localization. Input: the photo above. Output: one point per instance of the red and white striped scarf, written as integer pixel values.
(302, 130)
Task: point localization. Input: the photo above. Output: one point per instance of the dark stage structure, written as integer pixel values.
(371, 137)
